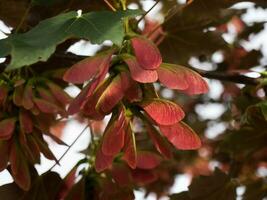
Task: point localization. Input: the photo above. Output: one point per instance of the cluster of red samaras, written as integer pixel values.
(127, 93)
(27, 110)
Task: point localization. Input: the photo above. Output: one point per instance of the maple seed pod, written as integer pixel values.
(163, 112)
(181, 78)
(181, 136)
(147, 53)
(138, 73)
(7, 127)
(88, 68)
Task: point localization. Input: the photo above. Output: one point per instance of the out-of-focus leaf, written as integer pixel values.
(217, 186)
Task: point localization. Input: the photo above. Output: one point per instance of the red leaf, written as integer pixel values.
(88, 68)
(113, 139)
(163, 112)
(130, 148)
(59, 93)
(89, 108)
(134, 93)
(138, 73)
(25, 121)
(4, 151)
(113, 93)
(143, 177)
(80, 101)
(45, 106)
(76, 104)
(181, 136)
(19, 168)
(121, 174)
(102, 161)
(45, 94)
(18, 95)
(159, 142)
(27, 97)
(7, 127)
(3, 92)
(146, 52)
(43, 147)
(147, 160)
(182, 78)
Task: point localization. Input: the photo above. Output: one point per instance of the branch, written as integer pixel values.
(234, 78)
(80, 134)
(148, 11)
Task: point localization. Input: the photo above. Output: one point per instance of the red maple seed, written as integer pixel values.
(147, 54)
(88, 68)
(113, 139)
(163, 112)
(181, 136)
(147, 160)
(7, 127)
(138, 73)
(181, 78)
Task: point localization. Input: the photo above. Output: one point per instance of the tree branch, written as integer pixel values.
(234, 78)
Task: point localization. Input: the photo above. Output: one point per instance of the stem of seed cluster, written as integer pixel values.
(80, 134)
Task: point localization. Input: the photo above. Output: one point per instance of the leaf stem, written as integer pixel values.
(69, 147)
(110, 5)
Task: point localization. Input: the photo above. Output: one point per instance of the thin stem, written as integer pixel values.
(234, 78)
(148, 11)
(23, 18)
(110, 5)
(80, 134)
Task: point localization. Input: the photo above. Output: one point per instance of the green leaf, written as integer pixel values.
(40, 42)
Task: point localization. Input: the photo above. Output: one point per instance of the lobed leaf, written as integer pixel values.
(40, 42)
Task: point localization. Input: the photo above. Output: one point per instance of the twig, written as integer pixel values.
(234, 78)
(23, 18)
(148, 11)
(110, 5)
(69, 147)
